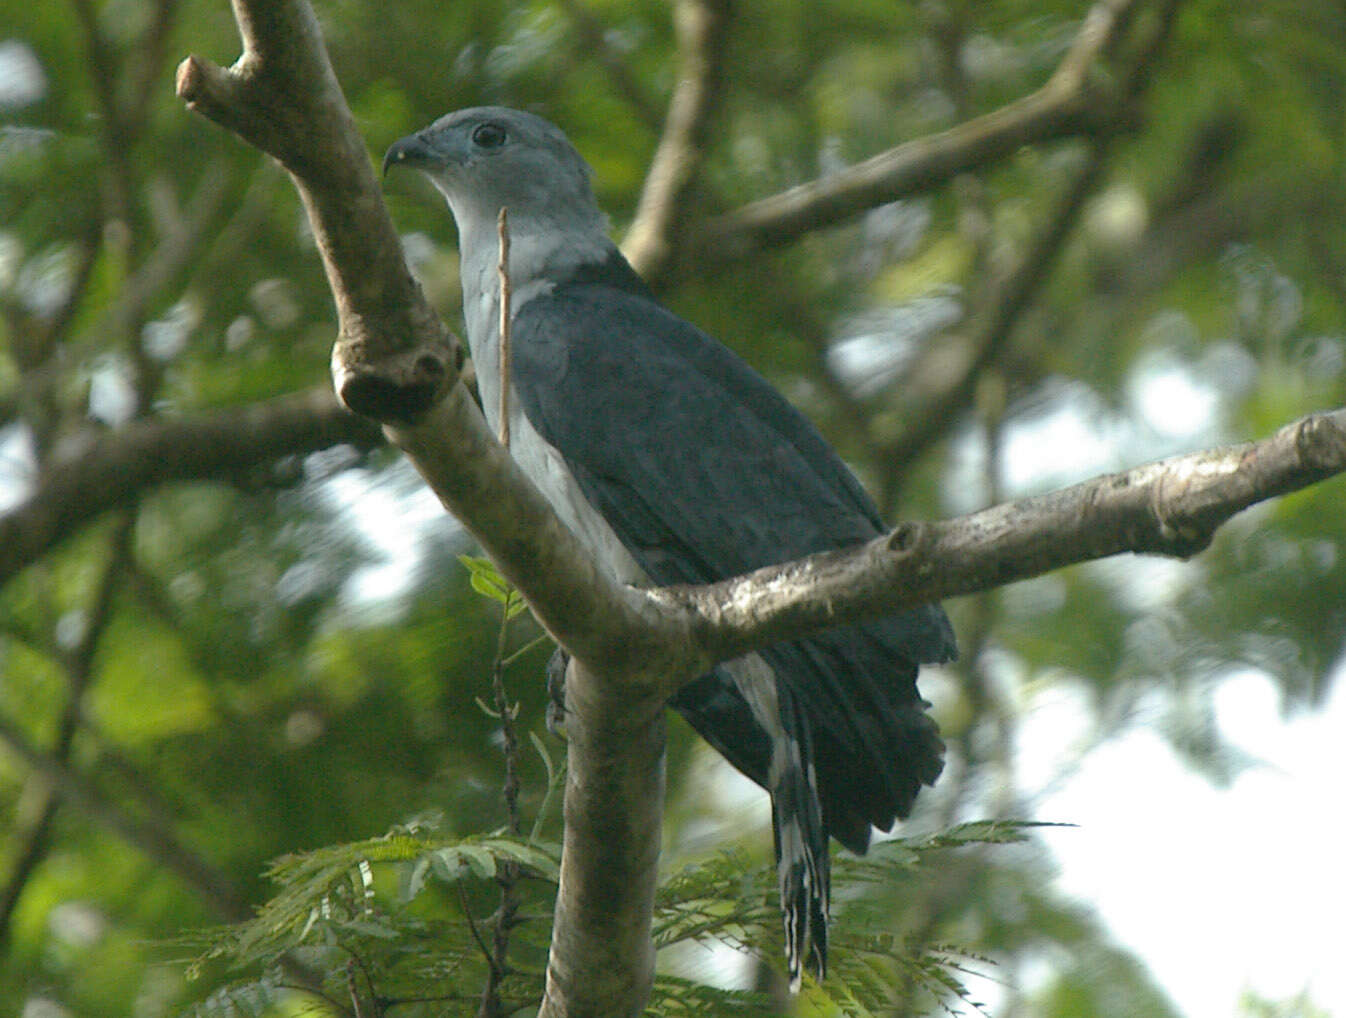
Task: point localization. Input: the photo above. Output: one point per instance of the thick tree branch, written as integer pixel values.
(602, 957)
(1074, 101)
(117, 466)
(1172, 507)
(651, 241)
(392, 362)
(601, 961)
(393, 356)
(592, 616)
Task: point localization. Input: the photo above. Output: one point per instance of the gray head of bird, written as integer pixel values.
(490, 157)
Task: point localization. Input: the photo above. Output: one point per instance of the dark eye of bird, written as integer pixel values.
(488, 136)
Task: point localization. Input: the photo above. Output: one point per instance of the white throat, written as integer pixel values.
(539, 254)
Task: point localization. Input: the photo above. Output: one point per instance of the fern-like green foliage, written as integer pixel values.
(730, 901)
(395, 921)
(385, 922)
(406, 923)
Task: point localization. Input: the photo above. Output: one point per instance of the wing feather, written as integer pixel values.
(704, 471)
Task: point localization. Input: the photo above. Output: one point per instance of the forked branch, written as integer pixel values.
(1075, 101)
(632, 648)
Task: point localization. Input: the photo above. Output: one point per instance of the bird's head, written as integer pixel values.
(489, 157)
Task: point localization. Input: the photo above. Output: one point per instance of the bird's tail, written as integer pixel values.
(761, 727)
(803, 866)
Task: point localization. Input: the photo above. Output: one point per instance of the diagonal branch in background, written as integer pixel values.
(594, 46)
(172, 258)
(118, 133)
(157, 841)
(35, 343)
(1074, 101)
(35, 835)
(940, 385)
(115, 467)
(653, 238)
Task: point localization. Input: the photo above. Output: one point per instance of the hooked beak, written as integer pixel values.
(412, 151)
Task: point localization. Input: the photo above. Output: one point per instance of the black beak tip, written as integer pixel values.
(414, 151)
(395, 156)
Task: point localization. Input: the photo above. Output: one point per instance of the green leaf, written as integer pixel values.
(479, 859)
(447, 864)
(486, 579)
(413, 878)
(535, 857)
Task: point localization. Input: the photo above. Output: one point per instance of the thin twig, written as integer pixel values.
(472, 923)
(357, 964)
(507, 876)
(544, 807)
(79, 669)
(117, 466)
(536, 641)
(506, 711)
(353, 989)
(505, 297)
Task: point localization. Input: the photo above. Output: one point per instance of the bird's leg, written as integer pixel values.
(556, 692)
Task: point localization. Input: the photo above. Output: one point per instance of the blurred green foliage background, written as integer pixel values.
(285, 652)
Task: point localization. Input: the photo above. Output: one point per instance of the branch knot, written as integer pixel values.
(395, 389)
(1320, 441)
(908, 538)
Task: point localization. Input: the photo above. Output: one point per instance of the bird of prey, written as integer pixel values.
(676, 463)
